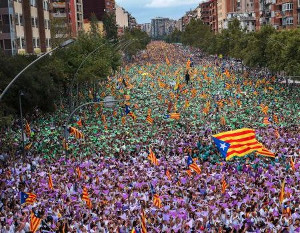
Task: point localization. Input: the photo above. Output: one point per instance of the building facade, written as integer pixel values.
(146, 27)
(68, 14)
(122, 19)
(97, 7)
(24, 26)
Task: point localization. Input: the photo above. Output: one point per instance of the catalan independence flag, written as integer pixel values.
(239, 143)
(76, 133)
(152, 157)
(34, 222)
(28, 198)
(143, 221)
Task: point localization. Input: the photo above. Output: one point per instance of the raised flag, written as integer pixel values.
(266, 121)
(168, 174)
(149, 119)
(157, 201)
(27, 129)
(292, 163)
(193, 165)
(123, 119)
(78, 172)
(79, 123)
(186, 104)
(167, 61)
(189, 172)
(224, 185)
(50, 183)
(152, 157)
(238, 143)
(65, 144)
(85, 197)
(175, 116)
(143, 221)
(132, 115)
(35, 222)
(265, 152)
(27, 198)
(76, 133)
(222, 121)
(28, 146)
(282, 193)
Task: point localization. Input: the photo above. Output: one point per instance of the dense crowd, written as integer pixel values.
(111, 162)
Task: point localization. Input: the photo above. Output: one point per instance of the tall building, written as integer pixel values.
(161, 27)
(24, 26)
(69, 15)
(146, 27)
(224, 7)
(213, 15)
(122, 19)
(285, 14)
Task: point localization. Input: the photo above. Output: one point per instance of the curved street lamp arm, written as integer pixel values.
(81, 106)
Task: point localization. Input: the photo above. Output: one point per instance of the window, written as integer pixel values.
(18, 42)
(23, 43)
(287, 6)
(21, 19)
(32, 22)
(7, 44)
(288, 21)
(33, 3)
(37, 42)
(17, 19)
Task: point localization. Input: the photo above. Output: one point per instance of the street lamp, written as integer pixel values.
(62, 45)
(81, 64)
(21, 122)
(108, 102)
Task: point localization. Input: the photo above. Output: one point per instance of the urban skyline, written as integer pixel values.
(145, 11)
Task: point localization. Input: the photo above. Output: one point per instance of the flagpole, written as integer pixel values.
(21, 122)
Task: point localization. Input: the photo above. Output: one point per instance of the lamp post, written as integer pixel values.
(109, 102)
(21, 122)
(62, 45)
(79, 67)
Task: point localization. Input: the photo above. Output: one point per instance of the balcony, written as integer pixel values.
(59, 15)
(59, 5)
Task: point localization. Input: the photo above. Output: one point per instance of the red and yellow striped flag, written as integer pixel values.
(123, 119)
(78, 172)
(152, 157)
(157, 201)
(27, 129)
(189, 172)
(282, 193)
(265, 152)
(149, 119)
(175, 116)
(292, 163)
(168, 174)
(224, 185)
(35, 222)
(50, 183)
(143, 221)
(195, 167)
(85, 197)
(76, 133)
(266, 121)
(239, 143)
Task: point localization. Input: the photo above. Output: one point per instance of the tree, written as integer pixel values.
(135, 40)
(197, 34)
(110, 26)
(174, 37)
(60, 31)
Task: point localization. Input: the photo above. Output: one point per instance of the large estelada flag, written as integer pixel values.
(239, 143)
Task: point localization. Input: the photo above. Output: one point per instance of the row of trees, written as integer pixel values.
(47, 83)
(277, 50)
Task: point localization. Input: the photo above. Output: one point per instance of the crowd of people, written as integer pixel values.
(111, 161)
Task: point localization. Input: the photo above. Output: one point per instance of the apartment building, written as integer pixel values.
(122, 19)
(285, 14)
(68, 14)
(24, 26)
